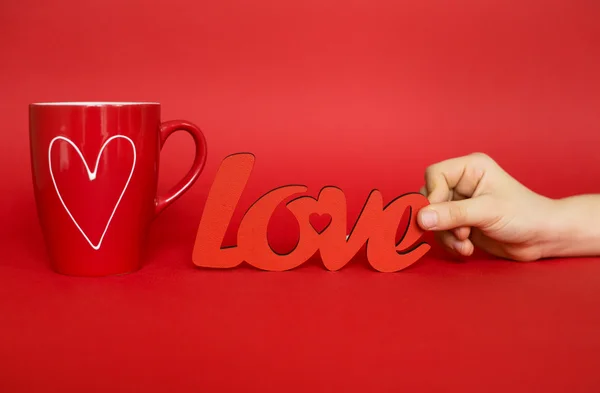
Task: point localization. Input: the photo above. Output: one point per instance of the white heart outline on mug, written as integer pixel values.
(91, 177)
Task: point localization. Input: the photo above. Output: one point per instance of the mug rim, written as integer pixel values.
(93, 103)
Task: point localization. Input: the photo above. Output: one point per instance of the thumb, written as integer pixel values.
(442, 216)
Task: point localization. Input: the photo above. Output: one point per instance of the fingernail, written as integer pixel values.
(458, 246)
(429, 218)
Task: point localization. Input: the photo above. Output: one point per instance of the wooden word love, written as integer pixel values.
(376, 226)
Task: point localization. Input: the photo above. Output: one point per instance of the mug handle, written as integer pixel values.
(167, 128)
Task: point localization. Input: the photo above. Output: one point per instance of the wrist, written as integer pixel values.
(572, 227)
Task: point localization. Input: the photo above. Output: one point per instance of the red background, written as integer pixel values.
(359, 94)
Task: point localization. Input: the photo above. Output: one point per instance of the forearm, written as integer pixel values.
(574, 227)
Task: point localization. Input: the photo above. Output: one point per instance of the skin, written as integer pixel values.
(476, 203)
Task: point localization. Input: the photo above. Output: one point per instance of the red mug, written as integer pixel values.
(95, 172)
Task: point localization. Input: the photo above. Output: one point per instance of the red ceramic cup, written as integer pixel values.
(95, 171)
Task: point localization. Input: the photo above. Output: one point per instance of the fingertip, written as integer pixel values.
(462, 233)
(447, 240)
(437, 195)
(463, 247)
(427, 218)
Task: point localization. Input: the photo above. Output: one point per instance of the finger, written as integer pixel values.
(457, 196)
(461, 174)
(462, 233)
(449, 241)
(489, 245)
(464, 247)
(446, 240)
(474, 212)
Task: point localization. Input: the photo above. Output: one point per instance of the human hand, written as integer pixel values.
(475, 203)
